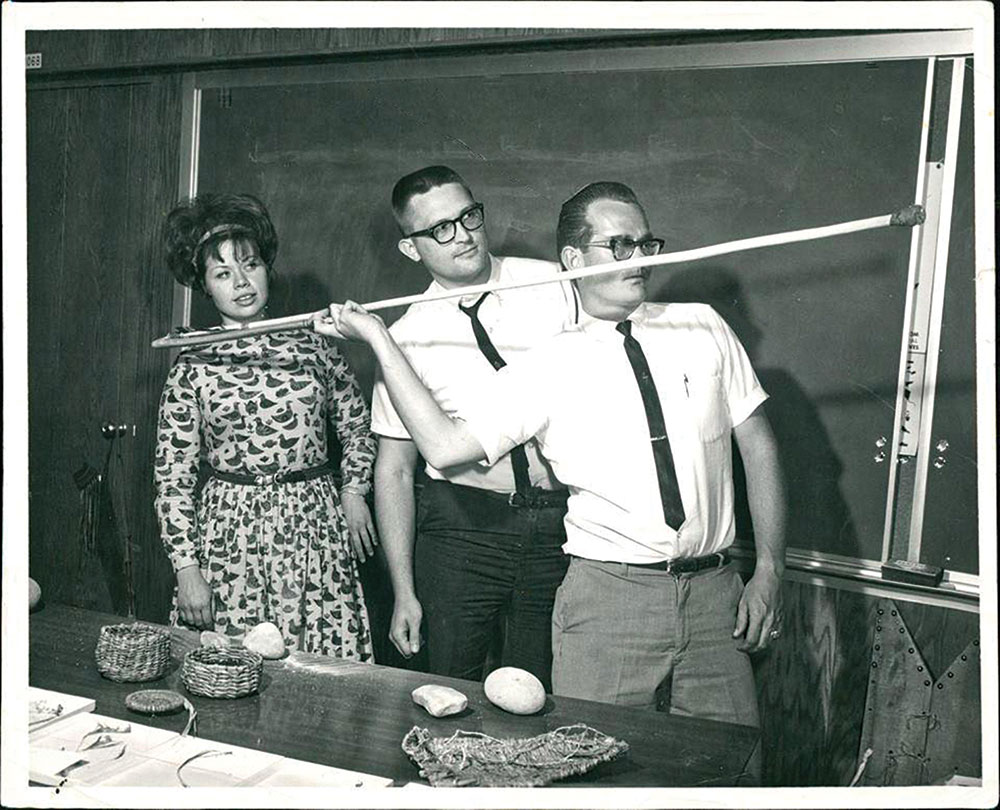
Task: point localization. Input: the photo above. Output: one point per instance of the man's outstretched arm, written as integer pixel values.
(441, 440)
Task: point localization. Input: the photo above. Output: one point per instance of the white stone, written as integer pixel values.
(209, 638)
(34, 593)
(265, 639)
(515, 690)
(440, 701)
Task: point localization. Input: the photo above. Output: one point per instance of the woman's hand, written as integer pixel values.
(359, 524)
(194, 598)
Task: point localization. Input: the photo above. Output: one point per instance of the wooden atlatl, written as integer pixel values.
(909, 216)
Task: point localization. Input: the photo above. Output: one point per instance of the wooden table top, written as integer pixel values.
(354, 716)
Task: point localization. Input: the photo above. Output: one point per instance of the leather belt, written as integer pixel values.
(687, 565)
(266, 479)
(536, 498)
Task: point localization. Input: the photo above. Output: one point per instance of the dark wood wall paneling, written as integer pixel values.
(812, 683)
(47, 142)
(153, 161)
(114, 49)
(98, 50)
(102, 168)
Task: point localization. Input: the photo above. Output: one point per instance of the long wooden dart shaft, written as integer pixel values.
(907, 217)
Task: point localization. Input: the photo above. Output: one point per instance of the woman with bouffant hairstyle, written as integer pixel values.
(269, 537)
(189, 244)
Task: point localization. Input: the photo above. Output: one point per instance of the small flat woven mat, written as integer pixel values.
(472, 759)
(154, 701)
(163, 701)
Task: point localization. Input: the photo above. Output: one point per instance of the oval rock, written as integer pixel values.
(515, 690)
(34, 594)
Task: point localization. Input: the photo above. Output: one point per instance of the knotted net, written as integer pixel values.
(473, 759)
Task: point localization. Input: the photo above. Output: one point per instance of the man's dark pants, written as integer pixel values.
(483, 566)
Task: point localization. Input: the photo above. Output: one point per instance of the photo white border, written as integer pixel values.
(20, 17)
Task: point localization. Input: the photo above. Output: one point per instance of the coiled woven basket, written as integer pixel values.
(216, 673)
(131, 653)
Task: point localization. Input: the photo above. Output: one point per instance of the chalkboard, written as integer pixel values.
(715, 154)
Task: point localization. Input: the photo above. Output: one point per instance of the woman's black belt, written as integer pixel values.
(265, 479)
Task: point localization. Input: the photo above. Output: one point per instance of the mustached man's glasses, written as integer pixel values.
(622, 247)
(472, 219)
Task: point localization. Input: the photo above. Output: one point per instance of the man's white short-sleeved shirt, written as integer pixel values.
(578, 396)
(437, 339)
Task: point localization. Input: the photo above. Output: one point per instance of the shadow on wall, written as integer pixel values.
(811, 684)
(812, 470)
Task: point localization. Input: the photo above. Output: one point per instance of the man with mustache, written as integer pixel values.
(635, 408)
(488, 553)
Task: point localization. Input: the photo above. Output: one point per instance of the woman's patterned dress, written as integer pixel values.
(277, 552)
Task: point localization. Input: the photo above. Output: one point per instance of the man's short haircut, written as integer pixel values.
(573, 228)
(420, 182)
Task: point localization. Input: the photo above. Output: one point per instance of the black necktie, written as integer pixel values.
(670, 494)
(518, 458)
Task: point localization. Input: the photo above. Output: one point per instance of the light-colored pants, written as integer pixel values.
(640, 637)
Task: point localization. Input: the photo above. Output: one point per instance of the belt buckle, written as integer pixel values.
(266, 479)
(516, 499)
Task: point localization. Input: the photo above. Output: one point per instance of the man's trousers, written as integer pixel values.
(483, 567)
(641, 637)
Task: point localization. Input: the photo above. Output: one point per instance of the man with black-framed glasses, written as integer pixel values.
(623, 247)
(477, 562)
(471, 219)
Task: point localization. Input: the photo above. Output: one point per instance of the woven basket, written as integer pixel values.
(132, 652)
(216, 673)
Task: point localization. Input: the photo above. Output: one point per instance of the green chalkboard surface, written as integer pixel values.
(715, 154)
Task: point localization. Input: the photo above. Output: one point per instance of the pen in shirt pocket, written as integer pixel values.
(687, 391)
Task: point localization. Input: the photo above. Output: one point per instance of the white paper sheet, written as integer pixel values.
(45, 765)
(131, 754)
(291, 773)
(46, 707)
